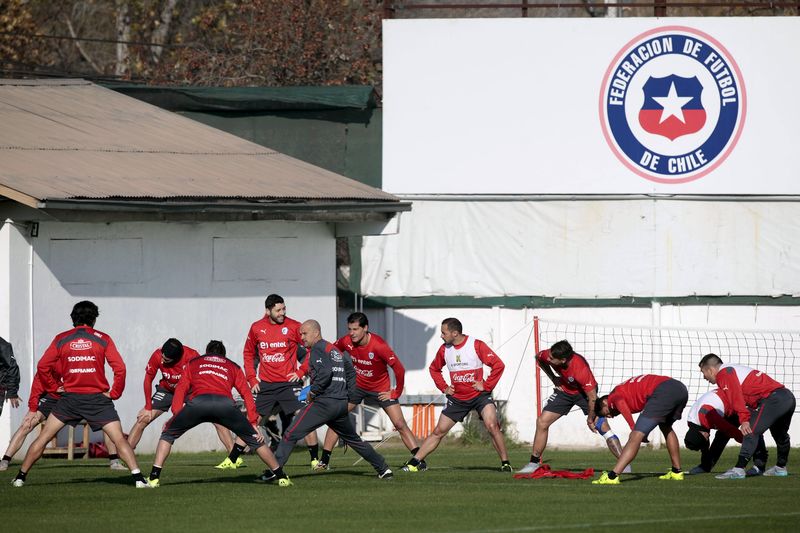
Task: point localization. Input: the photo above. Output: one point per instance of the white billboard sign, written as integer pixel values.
(572, 106)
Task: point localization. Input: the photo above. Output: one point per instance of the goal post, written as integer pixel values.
(617, 353)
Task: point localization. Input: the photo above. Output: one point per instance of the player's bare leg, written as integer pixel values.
(225, 437)
(395, 414)
(114, 432)
(489, 416)
(629, 451)
(673, 447)
(443, 426)
(135, 434)
(31, 420)
(51, 427)
(613, 443)
(543, 423)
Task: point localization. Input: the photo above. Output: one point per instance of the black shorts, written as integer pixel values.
(282, 394)
(162, 399)
(664, 406)
(370, 398)
(46, 404)
(211, 408)
(456, 410)
(97, 409)
(562, 403)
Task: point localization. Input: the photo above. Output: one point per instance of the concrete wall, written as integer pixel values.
(414, 334)
(152, 281)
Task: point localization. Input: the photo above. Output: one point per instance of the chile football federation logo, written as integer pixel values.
(672, 104)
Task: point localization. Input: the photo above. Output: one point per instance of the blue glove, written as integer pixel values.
(304, 393)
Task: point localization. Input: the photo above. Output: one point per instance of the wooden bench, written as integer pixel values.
(70, 450)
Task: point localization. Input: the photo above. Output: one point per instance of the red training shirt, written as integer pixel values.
(741, 387)
(576, 378)
(465, 363)
(170, 375)
(272, 348)
(371, 362)
(632, 395)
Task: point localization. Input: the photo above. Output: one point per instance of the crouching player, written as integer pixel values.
(208, 380)
(772, 404)
(574, 385)
(708, 413)
(661, 400)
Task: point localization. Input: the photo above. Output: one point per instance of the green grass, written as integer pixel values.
(463, 491)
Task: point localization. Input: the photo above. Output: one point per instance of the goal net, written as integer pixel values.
(616, 353)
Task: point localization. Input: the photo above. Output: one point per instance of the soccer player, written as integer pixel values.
(271, 348)
(9, 376)
(465, 359)
(170, 360)
(206, 384)
(79, 356)
(661, 400)
(372, 358)
(710, 412)
(333, 380)
(742, 387)
(574, 385)
(40, 404)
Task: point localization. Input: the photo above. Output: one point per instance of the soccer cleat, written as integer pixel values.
(314, 463)
(116, 464)
(776, 471)
(227, 464)
(267, 477)
(733, 473)
(672, 475)
(320, 467)
(605, 480)
(3, 466)
(411, 468)
(285, 482)
(697, 470)
(155, 483)
(17, 483)
(146, 484)
(386, 474)
(753, 471)
(506, 468)
(529, 468)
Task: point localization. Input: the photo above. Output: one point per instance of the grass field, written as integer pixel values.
(463, 491)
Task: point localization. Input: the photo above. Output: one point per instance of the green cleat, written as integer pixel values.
(506, 468)
(314, 463)
(672, 475)
(605, 480)
(285, 482)
(411, 468)
(154, 483)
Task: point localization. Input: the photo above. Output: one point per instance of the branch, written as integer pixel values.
(80, 48)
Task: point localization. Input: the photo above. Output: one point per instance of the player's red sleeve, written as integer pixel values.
(341, 344)
(731, 391)
(493, 361)
(118, 368)
(585, 379)
(240, 384)
(714, 420)
(36, 392)
(303, 370)
(622, 406)
(397, 367)
(250, 354)
(543, 357)
(47, 366)
(180, 391)
(435, 370)
(149, 375)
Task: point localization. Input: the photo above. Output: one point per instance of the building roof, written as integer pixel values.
(71, 142)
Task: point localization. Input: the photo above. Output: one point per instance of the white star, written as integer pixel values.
(672, 104)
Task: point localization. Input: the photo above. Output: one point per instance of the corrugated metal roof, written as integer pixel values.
(68, 139)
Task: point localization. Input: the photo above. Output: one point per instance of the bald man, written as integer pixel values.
(332, 378)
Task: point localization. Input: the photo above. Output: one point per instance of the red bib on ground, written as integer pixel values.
(544, 471)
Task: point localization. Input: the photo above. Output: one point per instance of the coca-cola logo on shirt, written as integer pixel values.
(464, 378)
(81, 344)
(273, 358)
(364, 373)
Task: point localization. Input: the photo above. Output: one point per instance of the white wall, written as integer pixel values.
(193, 281)
(416, 338)
(15, 314)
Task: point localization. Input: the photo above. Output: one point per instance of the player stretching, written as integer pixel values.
(709, 412)
(170, 360)
(206, 385)
(333, 379)
(79, 355)
(742, 387)
(574, 385)
(465, 359)
(372, 358)
(661, 400)
(271, 347)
